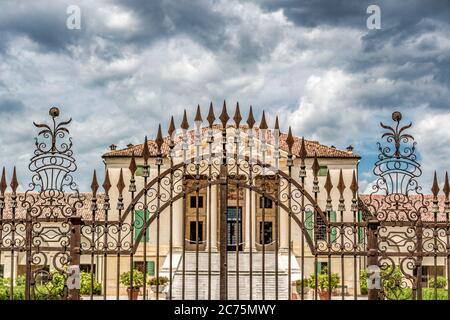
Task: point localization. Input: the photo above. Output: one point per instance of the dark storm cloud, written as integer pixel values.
(43, 23)
(11, 106)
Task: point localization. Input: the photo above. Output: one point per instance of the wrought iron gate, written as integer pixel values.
(160, 229)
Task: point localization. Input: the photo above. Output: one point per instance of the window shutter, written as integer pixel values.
(319, 267)
(333, 230)
(151, 268)
(139, 224)
(360, 230)
(309, 223)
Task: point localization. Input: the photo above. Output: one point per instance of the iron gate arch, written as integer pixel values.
(54, 230)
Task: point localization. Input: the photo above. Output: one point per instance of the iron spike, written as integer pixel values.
(263, 124)
(328, 185)
(14, 183)
(159, 139)
(237, 116)
(171, 127)
(446, 186)
(120, 183)
(184, 123)
(290, 140)
(146, 151)
(107, 183)
(315, 166)
(133, 166)
(435, 187)
(341, 184)
(211, 117)
(224, 117)
(94, 184)
(198, 115)
(251, 119)
(3, 184)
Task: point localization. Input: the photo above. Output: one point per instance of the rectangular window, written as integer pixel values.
(265, 234)
(323, 171)
(192, 233)
(87, 267)
(139, 265)
(265, 203)
(322, 267)
(139, 222)
(333, 230)
(139, 171)
(199, 202)
(321, 228)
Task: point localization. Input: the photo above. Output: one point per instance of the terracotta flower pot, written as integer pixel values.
(324, 295)
(133, 293)
(161, 288)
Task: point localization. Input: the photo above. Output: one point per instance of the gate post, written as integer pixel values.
(73, 280)
(372, 259)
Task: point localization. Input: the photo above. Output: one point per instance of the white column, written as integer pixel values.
(253, 217)
(284, 231)
(247, 221)
(214, 225)
(178, 224)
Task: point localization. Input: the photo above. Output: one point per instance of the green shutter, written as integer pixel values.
(151, 268)
(360, 230)
(322, 171)
(333, 230)
(139, 223)
(319, 267)
(309, 223)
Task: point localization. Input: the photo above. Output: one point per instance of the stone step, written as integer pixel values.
(192, 282)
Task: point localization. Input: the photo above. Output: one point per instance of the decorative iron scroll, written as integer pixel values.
(48, 207)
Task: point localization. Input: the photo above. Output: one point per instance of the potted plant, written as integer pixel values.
(158, 283)
(138, 282)
(298, 286)
(323, 283)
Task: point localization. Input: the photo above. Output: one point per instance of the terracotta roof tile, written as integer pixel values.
(85, 211)
(312, 147)
(416, 199)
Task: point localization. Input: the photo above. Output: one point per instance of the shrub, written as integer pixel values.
(440, 283)
(138, 279)
(323, 281)
(154, 281)
(85, 285)
(428, 294)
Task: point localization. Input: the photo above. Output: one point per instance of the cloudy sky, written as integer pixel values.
(314, 63)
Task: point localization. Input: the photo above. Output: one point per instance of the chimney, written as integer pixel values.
(130, 145)
(112, 147)
(350, 149)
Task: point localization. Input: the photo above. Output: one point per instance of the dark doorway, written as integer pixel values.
(234, 228)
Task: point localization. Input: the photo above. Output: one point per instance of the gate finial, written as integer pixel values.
(184, 123)
(198, 115)
(3, 185)
(120, 183)
(133, 166)
(315, 166)
(237, 116)
(277, 125)
(263, 124)
(302, 152)
(224, 117)
(251, 119)
(14, 183)
(171, 128)
(328, 185)
(290, 140)
(107, 183)
(146, 151)
(94, 184)
(211, 117)
(354, 185)
(435, 187)
(446, 186)
(159, 139)
(341, 185)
